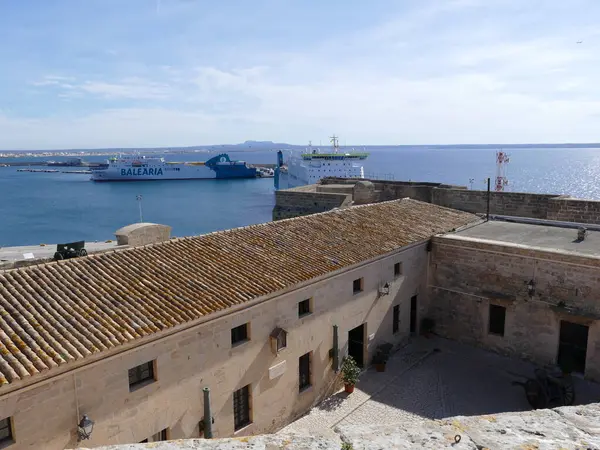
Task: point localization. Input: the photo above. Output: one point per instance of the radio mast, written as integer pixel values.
(502, 160)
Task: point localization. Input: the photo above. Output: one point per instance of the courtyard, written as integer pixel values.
(434, 379)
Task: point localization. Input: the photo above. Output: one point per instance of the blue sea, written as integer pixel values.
(55, 207)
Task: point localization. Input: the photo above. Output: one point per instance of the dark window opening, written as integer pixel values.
(304, 372)
(397, 269)
(396, 321)
(497, 319)
(6, 436)
(239, 334)
(572, 346)
(357, 285)
(304, 308)
(241, 407)
(413, 314)
(141, 375)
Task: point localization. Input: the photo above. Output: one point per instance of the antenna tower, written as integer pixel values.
(502, 160)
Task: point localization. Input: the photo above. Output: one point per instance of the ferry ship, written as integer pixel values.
(310, 167)
(143, 168)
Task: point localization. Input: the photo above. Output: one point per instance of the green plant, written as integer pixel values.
(427, 325)
(382, 354)
(350, 370)
(347, 446)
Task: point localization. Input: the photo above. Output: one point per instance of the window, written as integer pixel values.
(357, 285)
(6, 436)
(239, 334)
(241, 407)
(497, 319)
(141, 375)
(397, 269)
(304, 307)
(396, 319)
(304, 371)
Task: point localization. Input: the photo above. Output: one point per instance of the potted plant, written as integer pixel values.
(427, 325)
(350, 373)
(382, 354)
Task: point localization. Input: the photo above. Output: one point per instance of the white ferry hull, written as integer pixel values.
(176, 172)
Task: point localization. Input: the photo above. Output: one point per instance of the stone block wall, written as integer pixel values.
(294, 203)
(467, 275)
(574, 210)
(310, 199)
(501, 203)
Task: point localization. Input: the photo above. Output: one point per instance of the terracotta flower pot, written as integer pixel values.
(349, 388)
(380, 367)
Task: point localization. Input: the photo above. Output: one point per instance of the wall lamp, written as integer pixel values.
(531, 288)
(84, 428)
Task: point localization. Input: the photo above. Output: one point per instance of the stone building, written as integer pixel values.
(521, 287)
(130, 338)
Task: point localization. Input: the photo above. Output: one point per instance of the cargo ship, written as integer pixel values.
(312, 165)
(144, 168)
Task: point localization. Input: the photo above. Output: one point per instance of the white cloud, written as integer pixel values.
(413, 79)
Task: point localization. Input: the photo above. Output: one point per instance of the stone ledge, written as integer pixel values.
(571, 427)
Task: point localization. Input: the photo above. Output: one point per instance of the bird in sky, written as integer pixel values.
(579, 42)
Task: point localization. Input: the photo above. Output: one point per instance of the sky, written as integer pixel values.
(156, 73)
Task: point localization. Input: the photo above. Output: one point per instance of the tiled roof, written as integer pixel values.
(64, 311)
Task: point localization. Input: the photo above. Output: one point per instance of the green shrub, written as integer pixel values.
(350, 370)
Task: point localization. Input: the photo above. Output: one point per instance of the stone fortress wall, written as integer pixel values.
(339, 193)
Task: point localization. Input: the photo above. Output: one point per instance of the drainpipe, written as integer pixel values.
(336, 351)
(207, 415)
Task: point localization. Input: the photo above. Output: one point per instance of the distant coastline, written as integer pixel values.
(250, 146)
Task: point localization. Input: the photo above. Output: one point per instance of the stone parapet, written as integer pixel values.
(309, 199)
(571, 427)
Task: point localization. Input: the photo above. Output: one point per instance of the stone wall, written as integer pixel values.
(142, 234)
(294, 202)
(574, 210)
(312, 199)
(569, 427)
(468, 275)
(501, 203)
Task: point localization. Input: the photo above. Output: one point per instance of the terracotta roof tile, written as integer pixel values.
(64, 311)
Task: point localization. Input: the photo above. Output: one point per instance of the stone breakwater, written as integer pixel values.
(572, 427)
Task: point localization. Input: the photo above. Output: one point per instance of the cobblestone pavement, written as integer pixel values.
(432, 378)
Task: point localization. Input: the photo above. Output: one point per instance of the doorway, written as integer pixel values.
(356, 345)
(413, 314)
(572, 346)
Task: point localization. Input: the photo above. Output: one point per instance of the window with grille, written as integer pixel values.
(398, 269)
(497, 320)
(396, 320)
(304, 307)
(304, 372)
(6, 436)
(357, 285)
(141, 375)
(241, 407)
(239, 334)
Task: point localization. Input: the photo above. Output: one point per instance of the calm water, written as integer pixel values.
(56, 207)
